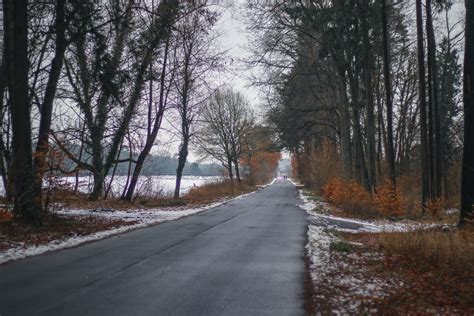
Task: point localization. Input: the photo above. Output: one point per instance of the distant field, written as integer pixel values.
(147, 185)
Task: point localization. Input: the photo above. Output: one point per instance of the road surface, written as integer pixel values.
(243, 258)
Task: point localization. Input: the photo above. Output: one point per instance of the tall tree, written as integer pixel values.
(425, 182)
(388, 94)
(26, 203)
(154, 125)
(467, 177)
(46, 110)
(196, 59)
(120, 89)
(435, 141)
(227, 119)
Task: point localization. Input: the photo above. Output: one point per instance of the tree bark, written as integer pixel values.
(422, 100)
(26, 200)
(388, 94)
(433, 88)
(183, 155)
(151, 137)
(467, 177)
(345, 126)
(237, 171)
(369, 99)
(42, 145)
(162, 27)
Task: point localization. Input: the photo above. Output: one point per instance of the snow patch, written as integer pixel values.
(319, 214)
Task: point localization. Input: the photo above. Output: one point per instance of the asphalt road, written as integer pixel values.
(242, 258)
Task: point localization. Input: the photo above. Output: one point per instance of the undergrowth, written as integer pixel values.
(437, 265)
(386, 201)
(213, 191)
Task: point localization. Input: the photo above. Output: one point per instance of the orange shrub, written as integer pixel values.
(5, 216)
(435, 207)
(350, 196)
(387, 200)
(333, 191)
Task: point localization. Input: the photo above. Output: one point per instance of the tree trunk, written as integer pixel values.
(154, 130)
(229, 168)
(129, 169)
(168, 11)
(183, 155)
(422, 100)
(26, 199)
(467, 177)
(345, 126)
(369, 99)
(4, 160)
(42, 145)
(388, 94)
(97, 163)
(433, 89)
(237, 171)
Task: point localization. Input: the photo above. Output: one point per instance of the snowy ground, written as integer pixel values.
(319, 213)
(139, 217)
(339, 269)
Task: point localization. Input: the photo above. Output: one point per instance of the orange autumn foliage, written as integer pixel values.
(352, 197)
(5, 216)
(261, 165)
(294, 167)
(260, 156)
(347, 194)
(387, 200)
(435, 207)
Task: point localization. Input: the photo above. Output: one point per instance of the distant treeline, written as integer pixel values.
(154, 165)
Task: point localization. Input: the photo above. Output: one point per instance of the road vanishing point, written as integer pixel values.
(245, 257)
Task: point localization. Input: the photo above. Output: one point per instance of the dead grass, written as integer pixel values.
(437, 265)
(428, 272)
(71, 199)
(450, 252)
(199, 195)
(213, 191)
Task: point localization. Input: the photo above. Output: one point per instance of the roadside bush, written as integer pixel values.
(212, 191)
(450, 252)
(387, 200)
(350, 196)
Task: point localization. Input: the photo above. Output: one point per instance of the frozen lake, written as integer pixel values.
(147, 185)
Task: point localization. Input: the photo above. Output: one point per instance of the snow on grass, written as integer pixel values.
(337, 282)
(340, 279)
(319, 213)
(141, 218)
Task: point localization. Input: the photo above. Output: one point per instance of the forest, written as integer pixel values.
(95, 87)
(369, 97)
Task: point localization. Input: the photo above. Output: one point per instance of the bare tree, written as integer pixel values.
(121, 79)
(226, 122)
(196, 59)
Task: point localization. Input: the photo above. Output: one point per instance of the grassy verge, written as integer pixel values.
(204, 194)
(435, 269)
(438, 265)
(214, 191)
(55, 227)
(427, 271)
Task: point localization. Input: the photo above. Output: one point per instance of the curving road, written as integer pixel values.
(242, 258)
